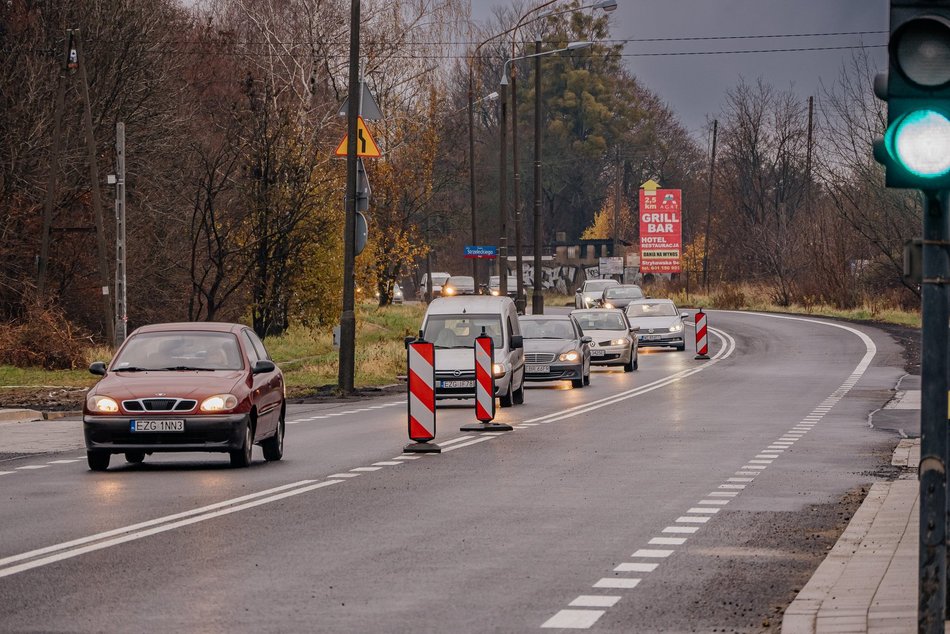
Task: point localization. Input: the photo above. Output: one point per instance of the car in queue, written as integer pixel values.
(661, 324)
(591, 292)
(459, 285)
(619, 296)
(555, 349)
(452, 323)
(438, 279)
(494, 285)
(613, 338)
(194, 386)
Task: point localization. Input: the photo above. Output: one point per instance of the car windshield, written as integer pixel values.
(459, 331)
(623, 292)
(592, 286)
(439, 280)
(600, 321)
(660, 309)
(546, 329)
(461, 281)
(179, 350)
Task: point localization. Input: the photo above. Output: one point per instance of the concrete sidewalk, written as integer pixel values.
(868, 582)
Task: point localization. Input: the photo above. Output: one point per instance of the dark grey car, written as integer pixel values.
(555, 349)
(620, 296)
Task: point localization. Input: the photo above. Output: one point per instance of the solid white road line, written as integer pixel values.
(30, 467)
(132, 536)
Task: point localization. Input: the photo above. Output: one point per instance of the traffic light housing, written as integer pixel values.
(915, 149)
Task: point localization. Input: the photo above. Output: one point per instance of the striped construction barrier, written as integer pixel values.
(421, 397)
(702, 342)
(485, 387)
(484, 379)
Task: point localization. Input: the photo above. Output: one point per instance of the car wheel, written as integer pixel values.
(575, 383)
(517, 397)
(506, 398)
(135, 457)
(242, 457)
(629, 366)
(274, 446)
(681, 348)
(587, 377)
(636, 360)
(98, 460)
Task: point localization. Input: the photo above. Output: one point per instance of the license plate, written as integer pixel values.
(157, 425)
(456, 384)
(597, 353)
(538, 369)
(651, 337)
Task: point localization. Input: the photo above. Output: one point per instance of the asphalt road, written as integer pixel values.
(686, 496)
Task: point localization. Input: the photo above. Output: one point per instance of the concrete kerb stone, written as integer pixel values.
(19, 415)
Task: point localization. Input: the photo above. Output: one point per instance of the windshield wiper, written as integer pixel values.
(182, 368)
(132, 368)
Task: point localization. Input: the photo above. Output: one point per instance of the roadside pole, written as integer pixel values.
(121, 307)
(935, 313)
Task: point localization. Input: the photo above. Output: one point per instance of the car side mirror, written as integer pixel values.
(517, 342)
(634, 328)
(586, 339)
(684, 315)
(263, 366)
(408, 340)
(98, 368)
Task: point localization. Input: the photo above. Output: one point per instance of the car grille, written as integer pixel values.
(159, 405)
(450, 375)
(604, 343)
(538, 357)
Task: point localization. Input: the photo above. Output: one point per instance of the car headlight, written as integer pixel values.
(219, 403)
(619, 342)
(608, 305)
(676, 327)
(104, 404)
(569, 356)
(448, 291)
(495, 293)
(498, 370)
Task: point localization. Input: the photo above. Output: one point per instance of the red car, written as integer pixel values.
(197, 386)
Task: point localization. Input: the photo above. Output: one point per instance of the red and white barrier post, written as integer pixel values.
(485, 387)
(421, 397)
(702, 343)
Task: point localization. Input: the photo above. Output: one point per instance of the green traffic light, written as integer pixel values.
(920, 141)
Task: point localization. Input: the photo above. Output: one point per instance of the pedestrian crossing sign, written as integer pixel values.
(365, 145)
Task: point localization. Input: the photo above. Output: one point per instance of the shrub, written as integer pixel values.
(43, 337)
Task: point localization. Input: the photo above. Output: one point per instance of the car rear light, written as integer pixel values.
(219, 403)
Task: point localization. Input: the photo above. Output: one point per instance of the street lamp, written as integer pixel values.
(536, 304)
(605, 5)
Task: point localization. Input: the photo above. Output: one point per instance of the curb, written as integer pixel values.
(57, 415)
(19, 415)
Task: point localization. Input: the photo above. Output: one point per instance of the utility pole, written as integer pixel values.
(121, 308)
(808, 149)
(537, 299)
(617, 196)
(51, 181)
(515, 164)
(471, 170)
(503, 196)
(712, 170)
(96, 194)
(347, 359)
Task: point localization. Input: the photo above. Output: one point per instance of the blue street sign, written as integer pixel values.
(481, 252)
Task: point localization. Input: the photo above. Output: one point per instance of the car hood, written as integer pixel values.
(459, 359)
(620, 302)
(604, 335)
(185, 384)
(550, 345)
(646, 323)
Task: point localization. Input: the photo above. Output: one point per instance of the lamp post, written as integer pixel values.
(605, 5)
(471, 165)
(572, 46)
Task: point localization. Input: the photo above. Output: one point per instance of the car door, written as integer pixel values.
(267, 388)
(516, 355)
(583, 347)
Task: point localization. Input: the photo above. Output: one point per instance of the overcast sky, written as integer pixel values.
(694, 86)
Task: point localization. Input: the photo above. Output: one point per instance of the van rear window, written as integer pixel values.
(459, 331)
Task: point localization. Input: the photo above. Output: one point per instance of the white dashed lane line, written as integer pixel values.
(707, 507)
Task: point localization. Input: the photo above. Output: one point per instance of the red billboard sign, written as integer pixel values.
(661, 230)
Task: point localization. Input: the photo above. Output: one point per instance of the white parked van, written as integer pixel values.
(452, 323)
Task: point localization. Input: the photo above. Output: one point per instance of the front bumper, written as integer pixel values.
(219, 432)
(441, 393)
(559, 372)
(663, 340)
(613, 355)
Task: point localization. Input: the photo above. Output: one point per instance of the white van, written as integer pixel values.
(452, 323)
(438, 279)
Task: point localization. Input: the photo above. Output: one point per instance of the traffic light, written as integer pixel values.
(915, 149)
